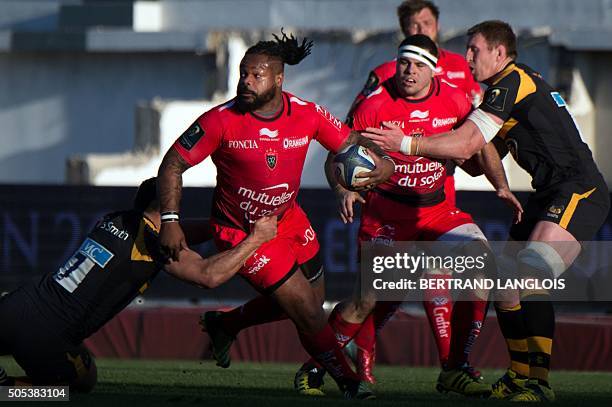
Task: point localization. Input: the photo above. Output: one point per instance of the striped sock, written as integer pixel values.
(540, 323)
(511, 324)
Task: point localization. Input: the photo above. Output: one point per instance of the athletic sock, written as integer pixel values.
(513, 329)
(383, 311)
(323, 347)
(366, 337)
(259, 310)
(466, 323)
(539, 318)
(438, 305)
(344, 330)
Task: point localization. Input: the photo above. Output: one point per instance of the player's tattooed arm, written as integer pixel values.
(169, 190)
(384, 164)
(215, 270)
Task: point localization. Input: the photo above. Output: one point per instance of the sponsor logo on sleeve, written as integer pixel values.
(110, 227)
(558, 99)
(329, 117)
(495, 98)
(191, 136)
(96, 252)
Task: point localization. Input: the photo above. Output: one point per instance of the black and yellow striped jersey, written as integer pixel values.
(538, 130)
(114, 264)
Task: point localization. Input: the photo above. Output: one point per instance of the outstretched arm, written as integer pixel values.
(169, 189)
(215, 270)
(460, 144)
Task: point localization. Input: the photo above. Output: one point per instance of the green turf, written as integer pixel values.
(184, 383)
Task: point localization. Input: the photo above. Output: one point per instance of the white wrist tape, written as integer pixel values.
(487, 126)
(406, 144)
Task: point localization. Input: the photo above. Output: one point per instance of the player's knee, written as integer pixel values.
(507, 270)
(541, 261)
(311, 319)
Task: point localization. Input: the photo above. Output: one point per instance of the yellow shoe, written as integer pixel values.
(534, 392)
(508, 385)
(459, 381)
(309, 381)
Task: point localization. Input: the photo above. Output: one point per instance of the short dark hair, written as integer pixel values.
(410, 7)
(421, 41)
(287, 49)
(146, 194)
(496, 32)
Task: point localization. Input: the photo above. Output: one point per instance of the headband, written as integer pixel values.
(418, 53)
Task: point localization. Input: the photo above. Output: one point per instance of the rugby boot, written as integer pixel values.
(508, 385)
(472, 371)
(459, 381)
(534, 392)
(308, 380)
(220, 342)
(357, 391)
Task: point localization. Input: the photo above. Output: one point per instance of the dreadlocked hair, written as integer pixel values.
(286, 48)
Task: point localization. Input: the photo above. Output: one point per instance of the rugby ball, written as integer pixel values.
(351, 161)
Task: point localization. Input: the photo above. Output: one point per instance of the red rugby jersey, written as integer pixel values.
(417, 180)
(451, 67)
(259, 160)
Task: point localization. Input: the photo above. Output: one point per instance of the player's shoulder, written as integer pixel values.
(299, 103)
(117, 228)
(451, 92)
(222, 112)
(451, 59)
(305, 107)
(377, 98)
(385, 70)
(510, 76)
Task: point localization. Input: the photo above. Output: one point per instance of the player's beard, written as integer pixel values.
(257, 102)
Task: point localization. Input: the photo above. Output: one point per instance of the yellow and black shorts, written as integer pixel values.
(45, 357)
(580, 208)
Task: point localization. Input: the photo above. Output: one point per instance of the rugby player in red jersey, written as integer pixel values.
(412, 206)
(258, 141)
(421, 17)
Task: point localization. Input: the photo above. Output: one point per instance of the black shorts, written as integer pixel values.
(578, 207)
(45, 357)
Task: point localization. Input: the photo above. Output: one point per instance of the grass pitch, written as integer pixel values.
(185, 383)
